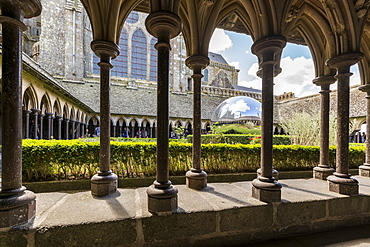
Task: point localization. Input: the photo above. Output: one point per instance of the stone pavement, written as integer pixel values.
(223, 214)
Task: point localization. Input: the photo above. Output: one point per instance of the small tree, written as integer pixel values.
(304, 129)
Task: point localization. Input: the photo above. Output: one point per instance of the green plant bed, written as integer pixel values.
(77, 159)
(238, 139)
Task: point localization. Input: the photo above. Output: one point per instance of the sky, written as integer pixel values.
(296, 63)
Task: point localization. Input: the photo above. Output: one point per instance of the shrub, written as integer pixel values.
(238, 139)
(74, 159)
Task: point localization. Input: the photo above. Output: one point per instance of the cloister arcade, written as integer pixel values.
(337, 33)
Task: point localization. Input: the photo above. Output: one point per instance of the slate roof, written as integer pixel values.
(217, 58)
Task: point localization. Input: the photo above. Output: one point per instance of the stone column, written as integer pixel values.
(105, 182)
(364, 169)
(114, 131)
(17, 205)
(323, 170)
(73, 132)
(41, 129)
(196, 178)
(151, 132)
(35, 113)
(27, 124)
(49, 117)
(265, 187)
(162, 196)
(66, 128)
(59, 119)
(341, 181)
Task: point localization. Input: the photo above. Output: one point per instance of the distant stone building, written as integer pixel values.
(61, 86)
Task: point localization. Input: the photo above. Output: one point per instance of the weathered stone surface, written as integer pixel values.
(347, 206)
(14, 238)
(300, 213)
(95, 234)
(159, 228)
(246, 218)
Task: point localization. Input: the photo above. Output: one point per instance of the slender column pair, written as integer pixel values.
(162, 196)
(196, 178)
(364, 169)
(323, 170)
(341, 181)
(105, 182)
(27, 124)
(268, 49)
(17, 205)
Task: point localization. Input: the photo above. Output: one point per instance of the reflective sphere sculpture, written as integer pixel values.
(238, 108)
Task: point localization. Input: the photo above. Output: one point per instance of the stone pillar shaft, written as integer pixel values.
(323, 170)
(41, 126)
(27, 124)
(162, 175)
(11, 105)
(341, 182)
(59, 119)
(268, 50)
(105, 182)
(196, 178)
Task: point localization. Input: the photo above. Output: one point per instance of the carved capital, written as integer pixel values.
(325, 80)
(105, 48)
(344, 61)
(268, 47)
(365, 88)
(163, 24)
(29, 8)
(197, 62)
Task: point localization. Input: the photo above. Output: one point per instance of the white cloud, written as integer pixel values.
(296, 76)
(236, 64)
(220, 41)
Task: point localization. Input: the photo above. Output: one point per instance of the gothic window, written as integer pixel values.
(205, 72)
(133, 17)
(138, 55)
(120, 62)
(153, 60)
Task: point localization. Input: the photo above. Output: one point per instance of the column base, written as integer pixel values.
(275, 173)
(266, 189)
(343, 184)
(364, 170)
(162, 200)
(103, 185)
(322, 172)
(196, 179)
(17, 210)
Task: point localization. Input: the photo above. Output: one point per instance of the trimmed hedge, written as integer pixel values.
(238, 139)
(75, 159)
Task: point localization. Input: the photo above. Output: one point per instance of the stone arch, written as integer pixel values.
(45, 105)
(56, 108)
(30, 99)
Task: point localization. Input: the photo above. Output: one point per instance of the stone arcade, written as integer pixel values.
(335, 31)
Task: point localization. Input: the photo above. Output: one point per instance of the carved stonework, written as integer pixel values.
(221, 81)
(335, 16)
(361, 7)
(292, 14)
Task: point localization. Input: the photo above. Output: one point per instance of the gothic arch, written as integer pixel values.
(45, 105)
(30, 99)
(57, 109)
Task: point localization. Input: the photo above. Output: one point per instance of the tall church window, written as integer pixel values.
(138, 55)
(153, 60)
(133, 17)
(120, 62)
(205, 72)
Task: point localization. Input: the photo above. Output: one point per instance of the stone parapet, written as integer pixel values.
(223, 214)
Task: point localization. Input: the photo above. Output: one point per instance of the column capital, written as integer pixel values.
(325, 80)
(268, 47)
(344, 61)
(30, 8)
(104, 48)
(36, 111)
(197, 62)
(163, 23)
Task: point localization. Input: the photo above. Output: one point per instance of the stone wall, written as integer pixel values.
(311, 104)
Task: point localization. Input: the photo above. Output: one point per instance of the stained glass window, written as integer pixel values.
(138, 55)
(133, 17)
(153, 60)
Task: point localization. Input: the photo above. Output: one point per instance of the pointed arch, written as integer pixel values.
(139, 55)
(45, 105)
(57, 110)
(30, 99)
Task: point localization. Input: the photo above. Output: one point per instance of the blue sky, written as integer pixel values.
(297, 65)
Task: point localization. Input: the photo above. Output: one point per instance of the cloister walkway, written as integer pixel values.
(223, 214)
